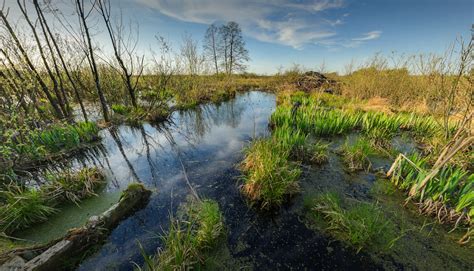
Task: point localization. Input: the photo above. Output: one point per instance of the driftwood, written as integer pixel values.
(63, 253)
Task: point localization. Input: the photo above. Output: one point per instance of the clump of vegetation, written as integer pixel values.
(191, 238)
(313, 153)
(356, 155)
(318, 121)
(121, 109)
(318, 152)
(450, 197)
(74, 186)
(26, 146)
(380, 128)
(361, 224)
(268, 175)
(23, 206)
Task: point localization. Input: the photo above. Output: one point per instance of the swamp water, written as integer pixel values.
(208, 142)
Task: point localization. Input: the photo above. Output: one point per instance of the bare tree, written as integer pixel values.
(82, 14)
(27, 60)
(124, 51)
(59, 96)
(47, 32)
(193, 61)
(210, 45)
(232, 47)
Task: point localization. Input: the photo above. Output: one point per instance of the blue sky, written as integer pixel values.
(308, 32)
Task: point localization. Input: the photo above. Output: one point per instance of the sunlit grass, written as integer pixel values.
(452, 187)
(268, 174)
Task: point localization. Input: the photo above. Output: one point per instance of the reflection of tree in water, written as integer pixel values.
(199, 121)
(115, 136)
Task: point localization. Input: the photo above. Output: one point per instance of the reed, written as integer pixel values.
(450, 196)
(23, 207)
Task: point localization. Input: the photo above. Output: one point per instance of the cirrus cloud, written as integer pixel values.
(369, 36)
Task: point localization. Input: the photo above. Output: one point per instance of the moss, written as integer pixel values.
(133, 189)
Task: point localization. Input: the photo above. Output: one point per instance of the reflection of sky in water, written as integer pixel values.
(208, 140)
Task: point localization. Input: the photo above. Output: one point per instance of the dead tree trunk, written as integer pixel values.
(91, 58)
(61, 58)
(57, 110)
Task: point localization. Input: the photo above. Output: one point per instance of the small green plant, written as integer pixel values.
(121, 109)
(362, 224)
(356, 155)
(318, 152)
(190, 239)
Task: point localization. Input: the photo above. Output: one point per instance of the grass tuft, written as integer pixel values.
(268, 175)
(190, 239)
(362, 225)
(356, 156)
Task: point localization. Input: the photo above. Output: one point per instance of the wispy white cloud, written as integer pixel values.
(277, 21)
(338, 43)
(372, 35)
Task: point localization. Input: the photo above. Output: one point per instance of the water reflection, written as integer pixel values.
(206, 142)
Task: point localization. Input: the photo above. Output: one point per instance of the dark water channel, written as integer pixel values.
(209, 142)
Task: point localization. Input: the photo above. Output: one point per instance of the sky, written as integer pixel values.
(280, 33)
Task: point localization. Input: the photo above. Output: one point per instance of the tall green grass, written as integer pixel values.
(453, 186)
(23, 207)
(312, 117)
(32, 145)
(268, 174)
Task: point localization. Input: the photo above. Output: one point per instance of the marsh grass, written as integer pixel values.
(22, 207)
(313, 153)
(191, 238)
(361, 224)
(356, 156)
(449, 197)
(75, 186)
(268, 174)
